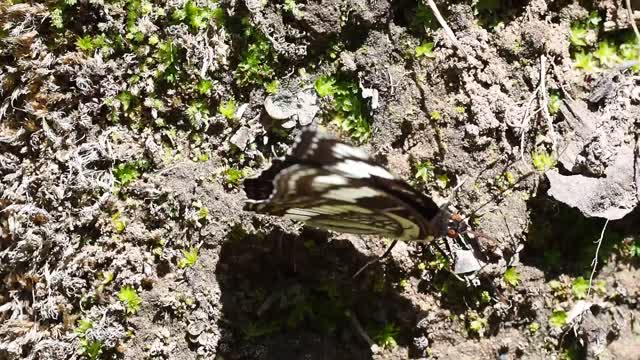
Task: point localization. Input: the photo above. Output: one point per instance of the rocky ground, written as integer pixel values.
(127, 126)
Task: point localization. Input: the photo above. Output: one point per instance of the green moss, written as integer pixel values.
(228, 109)
(558, 319)
(189, 258)
(543, 161)
(580, 288)
(257, 61)
(348, 110)
(130, 299)
(511, 277)
(425, 50)
(386, 336)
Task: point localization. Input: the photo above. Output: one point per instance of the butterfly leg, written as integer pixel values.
(370, 262)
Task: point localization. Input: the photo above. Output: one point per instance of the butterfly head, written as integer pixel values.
(456, 226)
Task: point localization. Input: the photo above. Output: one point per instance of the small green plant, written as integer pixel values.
(578, 35)
(543, 161)
(505, 181)
(579, 31)
(204, 87)
(228, 109)
(128, 172)
(580, 288)
(130, 299)
(85, 44)
(348, 110)
(189, 258)
(585, 61)
(442, 181)
(198, 114)
(256, 64)
(119, 225)
(439, 263)
(386, 336)
(56, 19)
(485, 297)
(425, 172)
(425, 50)
(92, 349)
(533, 327)
(291, 7)
(554, 102)
(477, 324)
(272, 87)
(126, 99)
(607, 54)
(511, 277)
(558, 319)
(196, 17)
(435, 115)
(404, 284)
(630, 249)
(234, 176)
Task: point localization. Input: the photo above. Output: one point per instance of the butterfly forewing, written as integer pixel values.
(329, 184)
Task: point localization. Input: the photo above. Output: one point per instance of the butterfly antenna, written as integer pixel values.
(371, 262)
(521, 179)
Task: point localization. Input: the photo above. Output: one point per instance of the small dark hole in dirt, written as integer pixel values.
(354, 36)
(163, 269)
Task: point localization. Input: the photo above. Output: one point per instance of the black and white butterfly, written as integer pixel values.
(330, 184)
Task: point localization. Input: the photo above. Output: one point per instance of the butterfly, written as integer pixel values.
(329, 184)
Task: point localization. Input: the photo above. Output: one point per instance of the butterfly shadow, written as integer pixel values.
(291, 295)
(561, 240)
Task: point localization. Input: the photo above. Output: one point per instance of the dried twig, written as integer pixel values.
(631, 19)
(445, 26)
(363, 334)
(544, 95)
(594, 263)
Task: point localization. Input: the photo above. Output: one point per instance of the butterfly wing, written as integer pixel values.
(329, 184)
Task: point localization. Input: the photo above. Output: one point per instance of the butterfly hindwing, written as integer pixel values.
(329, 184)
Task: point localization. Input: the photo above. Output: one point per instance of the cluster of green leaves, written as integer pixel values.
(425, 173)
(591, 55)
(92, 349)
(386, 335)
(477, 324)
(543, 161)
(511, 277)
(130, 299)
(348, 110)
(228, 109)
(257, 60)
(196, 17)
(558, 318)
(555, 100)
(87, 44)
(630, 249)
(505, 181)
(189, 257)
(425, 50)
(125, 173)
(198, 114)
(119, 224)
(233, 176)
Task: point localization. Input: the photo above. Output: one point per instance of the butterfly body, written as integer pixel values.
(329, 184)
